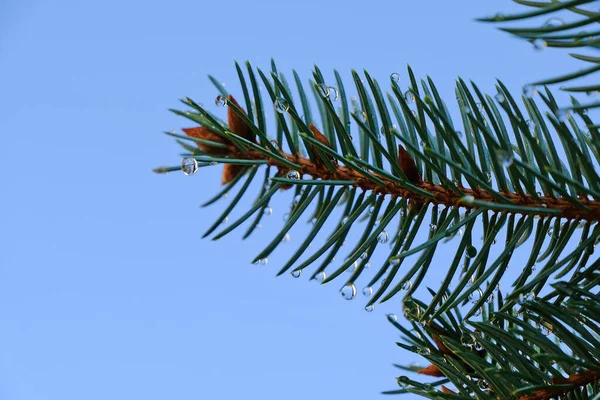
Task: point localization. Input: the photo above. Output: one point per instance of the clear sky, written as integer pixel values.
(106, 290)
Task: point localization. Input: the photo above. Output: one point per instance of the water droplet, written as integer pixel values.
(293, 174)
(471, 251)
(364, 256)
(286, 216)
(483, 385)
(475, 296)
(320, 277)
(383, 237)
(524, 297)
(499, 97)
(402, 382)
(562, 114)
(368, 265)
(333, 92)
(297, 199)
(530, 125)
(323, 89)
(344, 220)
(221, 101)
(262, 261)
(409, 96)
(550, 232)
(367, 291)
(348, 291)
(406, 285)
(392, 318)
(189, 165)
(353, 267)
(467, 340)
(539, 44)
(296, 274)
(281, 105)
(394, 261)
(467, 199)
(268, 211)
(505, 158)
(544, 328)
(285, 238)
(432, 227)
(395, 77)
(488, 176)
(552, 22)
(369, 308)
(364, 118)
(529, 91)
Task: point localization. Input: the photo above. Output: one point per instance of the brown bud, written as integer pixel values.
(440, 345)
(408, 166)
(321, 139)
(236, 123)
(446, 390)
(202, 132)
(230, 172)
(431, 370)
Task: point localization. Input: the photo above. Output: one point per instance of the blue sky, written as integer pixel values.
(106, 290)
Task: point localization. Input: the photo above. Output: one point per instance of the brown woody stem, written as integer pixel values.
(442, 195)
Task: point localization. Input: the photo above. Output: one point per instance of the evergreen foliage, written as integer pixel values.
(520, 171)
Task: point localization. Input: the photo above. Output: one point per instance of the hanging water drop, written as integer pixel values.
(553, 22)
(262, 261)
(333, 93)
(323, 89)
(530, 125)
(281, 105)
(550, 232)
(367, 291)
(348, 292)
(471, 251)
(268, 211)
(475, 296)
(409, 96)
(539, 44)
(286, 238)
(394, 261)
(383, 237)
(189, 166)
(505, 158)
(364, 256)
(297, 273)
(562, 115)
(221, 101)
(406, 285)
(392, 318)
(402, 381)
(529, 91)
(369, 308)
(293, 174)
(488, 176)
(320, 277)
(432, 227)
(395, 77)
(499, 97)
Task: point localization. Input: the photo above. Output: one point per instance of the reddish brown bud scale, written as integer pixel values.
(408, 166)
(236, 123)
(446, 390)
(431, 370)
(202, 132)
(323, 140)
(230, 172)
